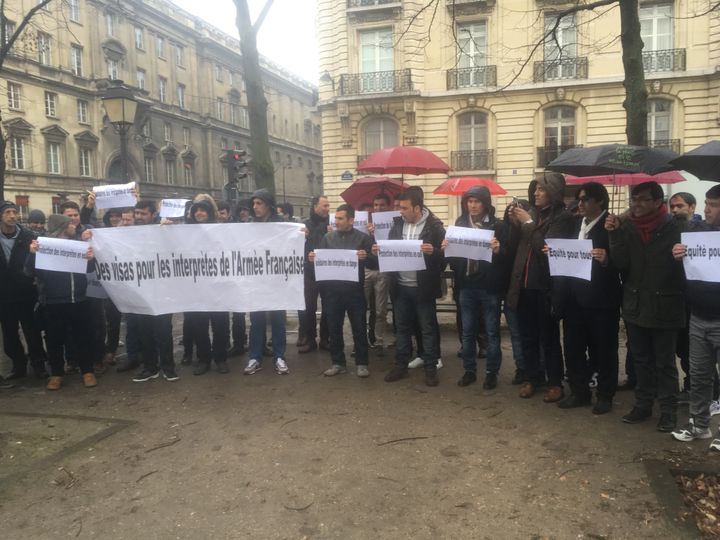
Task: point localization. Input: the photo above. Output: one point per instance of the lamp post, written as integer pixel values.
(120, 107)
(285, 168)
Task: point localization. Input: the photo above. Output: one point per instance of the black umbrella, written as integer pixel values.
(703, 162)
(611, 159)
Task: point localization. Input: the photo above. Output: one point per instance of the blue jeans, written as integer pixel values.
(258, 321)
(337, 303)
(475, 303)
(408, 309)
(511, 317)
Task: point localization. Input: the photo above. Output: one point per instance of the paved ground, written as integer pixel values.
(304, 456)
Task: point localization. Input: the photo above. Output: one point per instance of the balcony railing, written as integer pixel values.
(545, 154)
(564, 68)
(472, 160)
(375, 82)
(471, 77)
(369, 3)
(666, 144)
(664, 60)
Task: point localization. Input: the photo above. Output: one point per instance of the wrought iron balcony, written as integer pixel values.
(375, 82)
(370, 3)
(472, 160)
(545, 154)
(471, 77)
(563, 68)
(666, 144)
(664, 60)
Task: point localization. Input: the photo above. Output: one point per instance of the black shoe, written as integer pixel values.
(127, 364)
(627, 386)
(431, 378)
(324, 345)
(395, 374)
(667, 422)
(467, 379)
(5, 385)
(236, 350)
(170, 374)
(603, 406)
(202, 368)
(490, 382)
(16, 375)
(636, 416)
(519, 377)
(146, 375)
(186, 360)
(573, 401)
(222, 367)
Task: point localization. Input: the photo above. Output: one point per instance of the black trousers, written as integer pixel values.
(352, 302)
(99, 328)
(156, 342)
(308, 319)
(68, 325)
(540, 330)
(200, 323)
(591, 343)
(239, 330)
(113, 318)
(13, 316)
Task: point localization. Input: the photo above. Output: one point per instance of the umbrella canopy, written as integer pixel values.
(612, 159)
(626, 179)
(403, 160)
(703, 162)
(458, 186)
(364, 190)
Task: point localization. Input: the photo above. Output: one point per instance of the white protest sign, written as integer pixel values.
(571, 258)
(383, 222)
(469, 243)
(61, 255)
(173, 208)
(702, 259)
(361, 222)
(115, 195)
(238, 267)
(336, 265)
(400, 255)
(94, 287)
(332, 221)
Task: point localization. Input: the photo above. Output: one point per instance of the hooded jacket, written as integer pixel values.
(316, 229)
(267, 197)
(205, 205)
(15, 284)
(703, 296)
(531, 269)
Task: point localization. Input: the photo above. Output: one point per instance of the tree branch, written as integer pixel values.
(261, 18)
(5, 47)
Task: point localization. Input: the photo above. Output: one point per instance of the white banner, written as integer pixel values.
(173, 208)
(383, 222)
(239, 267)
(702, 260)
(400, 255)
(336, 265)
(94, 287)
(115, 196)
(469, 243)
(571, 258)
(61, 255)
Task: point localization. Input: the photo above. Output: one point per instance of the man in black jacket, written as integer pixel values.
(591, 309)
(414, 292)
(346, 296)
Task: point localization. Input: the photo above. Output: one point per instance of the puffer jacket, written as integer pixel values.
(15, 284)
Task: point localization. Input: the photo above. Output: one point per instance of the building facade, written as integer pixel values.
(188, 81)
(467, 81)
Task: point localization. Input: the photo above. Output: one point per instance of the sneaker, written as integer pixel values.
(363, 372)
(490, 381)
(281, 367)
(636, 415)
(253, 366)
(307, 347)
(431, 378)
(54, 383)
(691, 432)
(519, 377)
(418, 362)
(602, 406)
(145, 375)
(395, 374)
(170, 375)
(467, 379)
(667, 422)
(715, 443)
(573, 401)
(714, 408)
(335, 369)
(202, 368)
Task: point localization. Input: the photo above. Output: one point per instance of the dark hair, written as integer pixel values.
(146, 204)
(365, 207)
(316, 199)
(414, 194)
(689, 198)
(127, 209)
(654, 188)
(713, 192)
(287, 208)
(346, 208)
(69, 204)
(384, 196)
(223, 205)
(595, 191)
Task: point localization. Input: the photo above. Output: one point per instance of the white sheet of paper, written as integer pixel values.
(336, 265)
(400, 255)
(361, 221)
(332, 221)
(94, 288)
(383, 222)
(702, 260)
(570, 258)
(173, 208)
(115, 196)
(469, 243)
(61, 255)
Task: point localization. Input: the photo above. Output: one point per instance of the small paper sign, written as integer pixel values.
(383, 222)
(61, 255)
(469, 243)
(173, 208)
(336, 265)
(702, 259)
(570, 258)
(400, 255)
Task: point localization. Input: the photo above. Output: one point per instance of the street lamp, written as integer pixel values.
(120, 107)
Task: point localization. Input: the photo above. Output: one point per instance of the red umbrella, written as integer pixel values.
(628, 179)
(364, 190)
(458, 186)
(403, 160)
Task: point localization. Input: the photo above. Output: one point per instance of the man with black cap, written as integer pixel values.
(18, 295)
(36, 222)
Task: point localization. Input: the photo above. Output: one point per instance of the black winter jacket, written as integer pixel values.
(15, 284)
(352, 239)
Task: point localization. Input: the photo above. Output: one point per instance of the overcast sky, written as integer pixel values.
(287, 37)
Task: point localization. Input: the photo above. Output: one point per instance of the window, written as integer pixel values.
(559, 127)
(56, 202)
(23, 204)
(231, 78)
(74, 10)
(237, 145)
(170, 171)
(376, 50)
(188, 173)
(656, 26)
(160, 47)
(113, 69)
(218, 73)
(85, 159)
(564, 47)
(309, 164)
(472, 142)
(53, 158)
(110, 24)
(277, 157)
(9, 30)
(51, 104)
(17, 153)
(179, 55)
(300, 163)
(14, 93)
(659, 121)
(76, 60)
(167, 132)
(181, 95)
(186, 137)
(380, 133)
(44, 48)
(82, 111)
(149, 169)
(139, 38)
(162, 89)
(472, 44)
(244, 117)
(220, 109)
(140, 79)
(224, 144)
(147, 129)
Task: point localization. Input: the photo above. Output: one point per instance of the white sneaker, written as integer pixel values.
(418, 362)
(439, 364)
(281, 367)
(333, 370)
(715, 443)
(691, 432)
(253, 366)
(714, 408)
(363, 371)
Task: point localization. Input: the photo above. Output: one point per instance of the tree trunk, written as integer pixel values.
(261, 163)
(636, 94)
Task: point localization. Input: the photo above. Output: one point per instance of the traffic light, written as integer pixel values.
(237, 164)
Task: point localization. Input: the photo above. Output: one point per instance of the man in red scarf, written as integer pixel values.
(653, 306)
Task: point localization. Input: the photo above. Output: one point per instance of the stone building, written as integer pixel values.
(187, 78)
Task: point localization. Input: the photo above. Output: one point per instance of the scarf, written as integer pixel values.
(646, 225)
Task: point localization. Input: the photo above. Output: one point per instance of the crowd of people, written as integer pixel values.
(637, 276)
